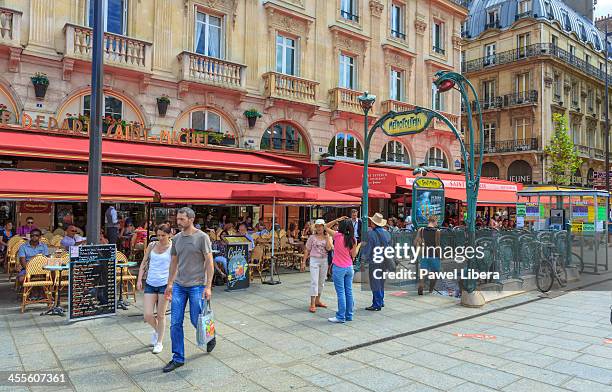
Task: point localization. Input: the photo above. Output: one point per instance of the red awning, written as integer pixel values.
(208, 192)
(275, 191)
(372, 193)
(132, 153)
(24, 185)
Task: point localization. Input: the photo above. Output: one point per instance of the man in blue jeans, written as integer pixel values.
(377, 237)
(190, 279)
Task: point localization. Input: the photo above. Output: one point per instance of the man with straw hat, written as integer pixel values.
(377, 236)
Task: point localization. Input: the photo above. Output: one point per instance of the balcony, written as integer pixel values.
(348, 15)
(521, 98)
(492, 25)
(291, 88)
(536, 50)
(590, 152)
(522, 15)
(398, 34)
(10, 27)
(345, 100)
(210, 70)
(395, 106)
(517, 145)
(439, 124)
(118, 50)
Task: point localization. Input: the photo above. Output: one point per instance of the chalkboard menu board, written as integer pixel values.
(91, 292)
(237, 254)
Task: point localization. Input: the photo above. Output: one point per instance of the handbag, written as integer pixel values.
(146, 259)
(205, 333)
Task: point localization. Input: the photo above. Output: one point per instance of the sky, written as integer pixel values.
(603, 8)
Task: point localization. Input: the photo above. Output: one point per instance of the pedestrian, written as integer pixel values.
(6, 233)
(112, 224)
(357, 224)
(317, 246)
(377, 237)
(154, 271)
(429, 238)
(345, 248)
(190, 279)
(409, 225)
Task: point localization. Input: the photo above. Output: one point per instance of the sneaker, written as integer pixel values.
(335, 320)
(158, 348)
(154, 338)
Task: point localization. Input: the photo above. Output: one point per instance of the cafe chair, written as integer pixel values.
(56, 241)
(49, 236)
(59, 232)
(257, 263)
(36, 276)
(128, 278)
(12, 257)
(44, 240)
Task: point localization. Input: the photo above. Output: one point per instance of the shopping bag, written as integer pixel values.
(205, 333)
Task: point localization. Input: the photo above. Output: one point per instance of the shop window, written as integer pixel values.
(436, 158)
(345, 145)
(213, 126)
(113, 107)
(283, 137)
(395, 151)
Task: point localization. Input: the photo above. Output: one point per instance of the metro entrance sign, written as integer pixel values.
(407, 123)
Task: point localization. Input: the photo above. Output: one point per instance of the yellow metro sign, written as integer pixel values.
(429, 183)
(407, 123)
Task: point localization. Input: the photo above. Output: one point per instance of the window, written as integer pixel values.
(596, 40)
(521, 129)
(576, 133)
(115, 12)
(587, 58)
(590, 100)
(436, 158)
(549, 11)
(566, 21)
(113, 107)
(583, 34)
(347, 72)
(489, 136)
(555, 41)
(395, 151)
(492, 19)
(557, 87)
(438, 37)
(524, 6)
(522, 83)
(285, 55)
(437, 99)
(205, 120)
(397, 85)
(397, 21)
(283, 137)
(345, 145)
(348, 10)
(208, 35)
(572, 50)
(522, 43)
(490, 57)
(575, 94)
(488, 93)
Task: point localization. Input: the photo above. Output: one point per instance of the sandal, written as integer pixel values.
(321, 305)
(312, 309)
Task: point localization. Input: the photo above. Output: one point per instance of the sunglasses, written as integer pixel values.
(30, 222)
(34, 235)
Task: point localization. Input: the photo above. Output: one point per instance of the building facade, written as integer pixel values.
(300, 63)
(529, 59)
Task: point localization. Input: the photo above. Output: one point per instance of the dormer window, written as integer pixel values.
(582, 30)
(549, 11)
(566, 22)
(596, 41)
(492, 19)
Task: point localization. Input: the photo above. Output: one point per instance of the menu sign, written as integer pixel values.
(91, 292)
(237, 254)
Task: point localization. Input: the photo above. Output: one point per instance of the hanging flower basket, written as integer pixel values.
(252, 115)
(162, 105)
(40, 82)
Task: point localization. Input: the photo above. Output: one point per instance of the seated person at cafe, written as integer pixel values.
(220, 259)
(139, 238)
(261, 229)
(27, 228)
(72, 238)
(30, 249)
(242, 230)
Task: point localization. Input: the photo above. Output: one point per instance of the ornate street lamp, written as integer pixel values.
(366, 101)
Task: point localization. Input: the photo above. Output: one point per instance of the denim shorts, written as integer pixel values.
(154, 290)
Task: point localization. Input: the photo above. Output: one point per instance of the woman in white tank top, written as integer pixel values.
(154, 270)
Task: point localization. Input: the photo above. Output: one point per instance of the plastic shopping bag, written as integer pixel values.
(205, 334)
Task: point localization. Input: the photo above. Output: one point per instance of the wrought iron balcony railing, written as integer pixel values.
(522, 15)
(521, 98)
(438, 50)
(492, 25)
(517, 145)
(398, 34)
(535, 50)
(349, 15)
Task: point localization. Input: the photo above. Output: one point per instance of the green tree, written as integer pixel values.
(564, 160)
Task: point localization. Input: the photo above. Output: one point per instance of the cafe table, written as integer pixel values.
(123, 304)
(56, 271)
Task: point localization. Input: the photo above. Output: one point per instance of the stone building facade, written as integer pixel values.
(529, 59)
(300, 63)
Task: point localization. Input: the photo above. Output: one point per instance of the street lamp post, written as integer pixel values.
(366, 101)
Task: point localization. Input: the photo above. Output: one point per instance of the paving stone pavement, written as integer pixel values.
(267, 341)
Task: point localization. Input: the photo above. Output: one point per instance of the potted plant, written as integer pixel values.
(228, 140)
(162, 105)
(40, 82)
(252, 115)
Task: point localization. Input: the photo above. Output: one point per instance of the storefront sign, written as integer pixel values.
(520, 209)
(577, 227)
(34, 207)
(407, 123)
(92, 280)
(427, 200)
(121, 130)
(588, 226)
(459, 184)
(237, 255)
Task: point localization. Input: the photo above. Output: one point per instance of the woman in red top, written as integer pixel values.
(345, 248)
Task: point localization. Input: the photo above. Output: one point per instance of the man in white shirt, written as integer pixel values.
(356, 223)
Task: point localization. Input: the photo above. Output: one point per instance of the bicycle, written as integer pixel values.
(550, 268)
